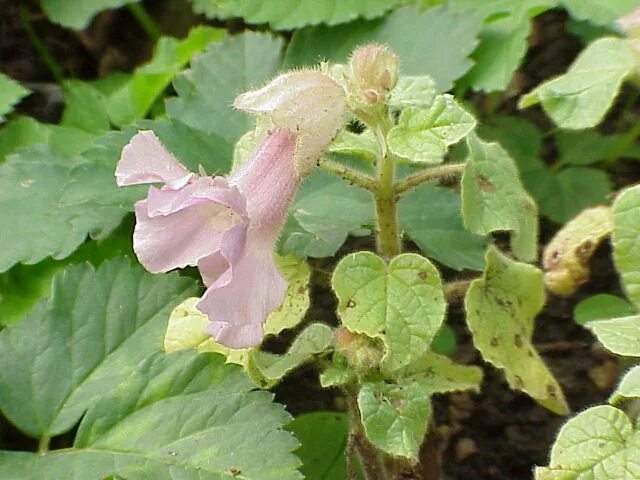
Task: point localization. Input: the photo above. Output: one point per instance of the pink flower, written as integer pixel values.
(228, 227)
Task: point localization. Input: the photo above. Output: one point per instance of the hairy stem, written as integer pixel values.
(146, 22)
(412, 181)
(388, 238)
(349, 174)
(370, 458)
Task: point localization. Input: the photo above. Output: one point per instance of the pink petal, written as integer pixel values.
(239, 302)
(145, 160)
(171, 238)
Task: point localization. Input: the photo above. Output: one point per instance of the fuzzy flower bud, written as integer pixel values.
(374, 73)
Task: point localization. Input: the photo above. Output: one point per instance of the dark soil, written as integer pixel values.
(498, 434)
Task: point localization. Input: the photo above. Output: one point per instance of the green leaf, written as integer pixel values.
(185, 328)
(296, 300)
(599, 12)
(323, 439)
(581, 97)
(292, 14)
(437, 374)
(401, 303)
(619, 335)
(599, 443)
(600, 307)
(31, 188)
(445, 39)
(624, 239)
(96, 327)
(224, 70)
(85, 107)
(503, 40)
(417, 91)
(162, 423)
(430, 216)
(77, 14)
(629, 386)
(395, 417)
(445, 341)
(134, 99)
(270, 368)
(337, 373)
(362, 145)
(425, 135)
(11, 92)
(315, 228)
(493, 198)
(566, 257)
(501, 307)
(589, 146)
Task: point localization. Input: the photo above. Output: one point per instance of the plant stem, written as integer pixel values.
(625, 142)
(370, 459)
(388, 238)
(146, 22)
(40, 47)
(43, 445)
(349, 174)
(419, 178)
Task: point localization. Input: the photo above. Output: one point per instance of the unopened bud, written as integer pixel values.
(362, 352)
(374, 72)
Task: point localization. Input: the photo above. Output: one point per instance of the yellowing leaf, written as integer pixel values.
(501, 307)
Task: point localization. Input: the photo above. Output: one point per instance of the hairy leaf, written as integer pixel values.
(599, 443)
(437, 374)
(401, 302)
(581, 97)
(619, 335)
(413, 91)
(629, 386)
(624, 239)
(501, 307)
(599, 12)
(493, 198)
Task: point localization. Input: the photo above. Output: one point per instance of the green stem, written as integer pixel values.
(40, 47)
(146, 22)
(43, 445)
(419, 178)
(388, 238)
(349, 174)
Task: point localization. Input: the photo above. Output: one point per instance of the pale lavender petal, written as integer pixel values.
(145, 160)
(238, 303)
(183, 237)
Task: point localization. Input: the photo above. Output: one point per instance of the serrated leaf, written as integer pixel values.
(11, 92)
(85, 107)
(430, 216)
(619, 335)
(401, 303)
(95, 329)
(501, 307)
(315, 228)
(292, 14)
(624, 239)
(601, 307)
(424, 135)
(224, 70)
(33, 223)
(438, 374)
(599, 443)
(413, 91)
(566, 258)
(363, 145)
(323, 439)
(629, 386)
(493, 198)
(581, 97)
(446, 39)
(503, 40)
(395, 417)
(77, 14)
(134, 99)
(313, 340)
(161, 423)
(599, 12)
